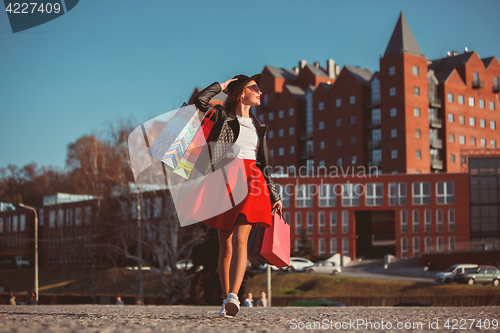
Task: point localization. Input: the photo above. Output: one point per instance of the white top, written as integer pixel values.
(247, 143)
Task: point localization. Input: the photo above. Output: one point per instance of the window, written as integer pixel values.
(481, 103)
(261, 117)
(333, 223)
(292, 149)
(492, 105)
(310, 223)
(322, 246)
(471, 101)
(271, 134)
(284, 193)
(339, 142)
(271, 153)
(1, 225)
(374, 194)
(394, 154)
(482, 123)
(440, 245)
(416, 91)
(451, 243)
(421, 193)
(69, 217)
(345, 246)
(321, 216)
(451, 220)
(15, 222)
(87, 215)
(281, 132)
(321, 125)
(333, 245)
(418, 154)
(461, 120)
(461, 99)
(418, 133)
(350, 195)
(60, 218)
(416, 112)
(338, 122)
(451, 138)
(415, 70)
(462, 139)
(353, 159)
(450, 97)
(428, 220)
(439, 220)
(404, 221)
(416, 220)
(327, 197)
(352, 99)
(452, 158)
(472, 121)
(298, 223)
(416, 246)
(392, 70)
(473, 141)
(321, 106)
(394, 133)
(404, 247)
(393, 112)
(338, 102)
(493, 124)
(157, 206)
(353, 139)
(281, 114)
(397, 194)
(493, 143)
(22, 223)
(345, 222)
(303, 196)
(271, 116)
(495, 83)
(339, 161)
(451, 117)
(392, 91)
(52, 219)
(281, 151)
(353, 120)
(291, 130)
(428, 244)
(322, 145)
(483, 143)
(290, 112)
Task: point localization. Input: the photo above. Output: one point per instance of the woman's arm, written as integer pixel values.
(202, 100)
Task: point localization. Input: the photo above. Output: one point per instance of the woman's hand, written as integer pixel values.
(279, 207)
(223, 85)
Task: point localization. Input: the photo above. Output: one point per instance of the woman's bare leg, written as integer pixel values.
(239, 256)
(225, 254)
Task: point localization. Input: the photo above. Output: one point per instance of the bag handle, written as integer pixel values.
(280, 214)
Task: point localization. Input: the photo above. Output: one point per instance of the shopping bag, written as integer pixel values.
(276, 242)
(173, 141)
(188, 160)
(255, 245)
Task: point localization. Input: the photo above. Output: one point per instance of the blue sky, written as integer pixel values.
(114, 59)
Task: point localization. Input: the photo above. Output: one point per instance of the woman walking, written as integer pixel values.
(241, 149)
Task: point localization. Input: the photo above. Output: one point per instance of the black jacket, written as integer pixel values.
(224, 134)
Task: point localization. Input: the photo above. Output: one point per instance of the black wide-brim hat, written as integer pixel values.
(236, 87)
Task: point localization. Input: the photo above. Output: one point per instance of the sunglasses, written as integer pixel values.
(255, 88)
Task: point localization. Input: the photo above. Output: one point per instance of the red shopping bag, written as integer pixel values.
(276, 242)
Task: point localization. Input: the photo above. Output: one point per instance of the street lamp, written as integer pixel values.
(36, 248)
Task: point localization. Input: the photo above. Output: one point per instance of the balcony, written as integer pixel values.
(476, 84)
(373, 123)
(437, 143)
(375, 163)
(496, 89)
(372, 103)
(306, 136)
(436, 122)
(305, 155)
(435, 102)
(374, 144)
(436, 163)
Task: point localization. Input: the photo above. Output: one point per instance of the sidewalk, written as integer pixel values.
(112, 318)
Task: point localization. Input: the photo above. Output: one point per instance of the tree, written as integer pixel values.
(306, 248)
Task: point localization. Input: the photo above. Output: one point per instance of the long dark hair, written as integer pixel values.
(233, 101)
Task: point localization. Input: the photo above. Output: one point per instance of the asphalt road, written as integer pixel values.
(113, 318)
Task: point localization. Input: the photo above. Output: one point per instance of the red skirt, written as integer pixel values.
(237, 188)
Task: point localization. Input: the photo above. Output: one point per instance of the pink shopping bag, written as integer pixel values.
(276, 242)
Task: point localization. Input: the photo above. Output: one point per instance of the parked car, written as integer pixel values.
(481, 274)
(324, 267)
(20, 262)
(452, 273)
(297, 264)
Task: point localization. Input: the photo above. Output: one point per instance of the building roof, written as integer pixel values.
(402, 39)
(361, 74)
(449, 63)
(443, 76)
(297, 92)
(317, 71)
(282, 73)
(487, 61)
(61, 198)
(326, 86)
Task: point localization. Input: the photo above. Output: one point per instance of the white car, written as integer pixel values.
(324, 267)
(297, 264)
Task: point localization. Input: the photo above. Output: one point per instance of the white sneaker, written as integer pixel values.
(222, 312)
(231, 305)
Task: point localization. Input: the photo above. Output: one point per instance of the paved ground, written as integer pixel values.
(112, 318)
